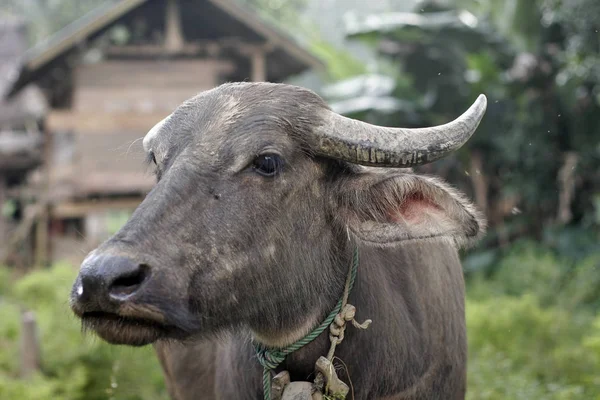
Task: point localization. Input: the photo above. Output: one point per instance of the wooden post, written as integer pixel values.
(174, 40)
(30, 346)
(42, 242)
(259, 65)
(41, 239)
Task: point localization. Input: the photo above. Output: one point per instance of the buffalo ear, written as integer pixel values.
(393, 207)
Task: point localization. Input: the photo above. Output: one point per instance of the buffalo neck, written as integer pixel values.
(399, 288)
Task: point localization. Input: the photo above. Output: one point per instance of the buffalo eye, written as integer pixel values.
(268, 164)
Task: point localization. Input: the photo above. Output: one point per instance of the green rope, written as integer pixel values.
(271, 358)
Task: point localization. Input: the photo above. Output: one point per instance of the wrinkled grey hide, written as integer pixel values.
(219, 253)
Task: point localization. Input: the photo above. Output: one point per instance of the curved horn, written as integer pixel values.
(362, 143)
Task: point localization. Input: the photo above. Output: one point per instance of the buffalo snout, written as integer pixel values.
(112, 296)
(107, 281)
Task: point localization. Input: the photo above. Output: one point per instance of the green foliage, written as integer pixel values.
(37, 387)
(283, 13)
(493, 376)
(340, 63)
(532, 330)
(9, 336)
(74, 366)
(528, 268)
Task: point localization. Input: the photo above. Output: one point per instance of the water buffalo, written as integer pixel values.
(263, 194)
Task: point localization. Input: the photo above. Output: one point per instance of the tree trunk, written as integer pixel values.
(566, 184)
(480, 185)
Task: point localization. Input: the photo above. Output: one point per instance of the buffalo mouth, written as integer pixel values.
(126, 330)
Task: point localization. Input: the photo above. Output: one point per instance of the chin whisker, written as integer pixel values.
(117, 329)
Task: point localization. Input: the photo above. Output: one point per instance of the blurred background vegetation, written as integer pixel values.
(533, 167)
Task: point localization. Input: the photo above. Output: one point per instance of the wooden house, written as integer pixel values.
(110, 76)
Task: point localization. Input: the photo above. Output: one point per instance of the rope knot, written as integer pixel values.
(337, 328)
(269, 359)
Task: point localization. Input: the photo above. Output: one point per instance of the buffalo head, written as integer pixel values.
(261, 192)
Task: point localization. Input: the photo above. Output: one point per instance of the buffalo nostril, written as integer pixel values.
(128, 283)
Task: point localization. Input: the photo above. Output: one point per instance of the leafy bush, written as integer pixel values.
(74, 366)
(532, 331)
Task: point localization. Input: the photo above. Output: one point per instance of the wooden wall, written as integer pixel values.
(143, 86)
